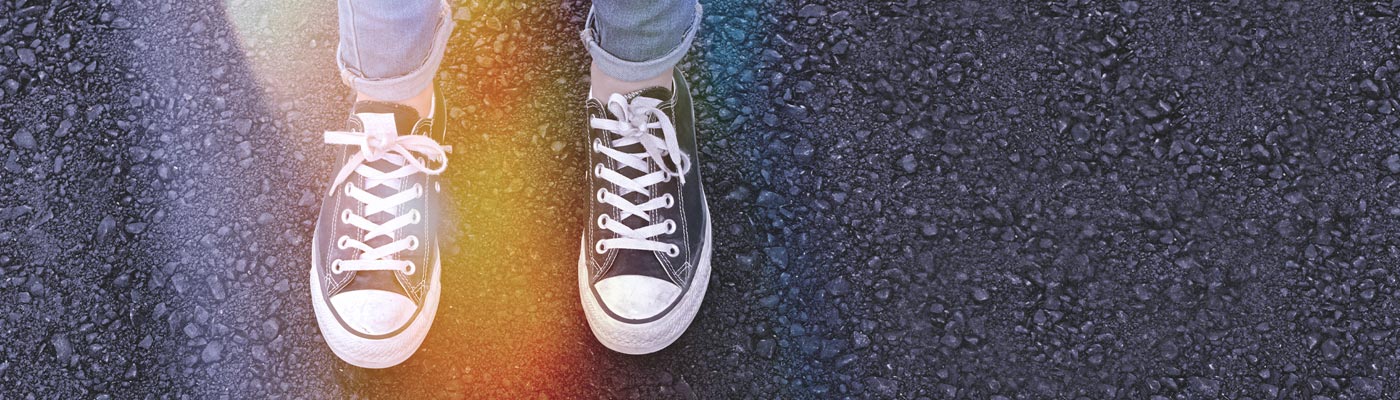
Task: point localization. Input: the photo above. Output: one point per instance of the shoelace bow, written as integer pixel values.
(381, 141)
(633, 126)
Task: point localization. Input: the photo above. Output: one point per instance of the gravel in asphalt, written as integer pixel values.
(918, 199)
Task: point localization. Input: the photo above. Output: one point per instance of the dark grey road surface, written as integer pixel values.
(919, 199)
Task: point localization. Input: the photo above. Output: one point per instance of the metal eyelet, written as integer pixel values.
(347, 188)
(670, 226)
(336, 268)
(598, 169)
(418, 191)
(600, 247)
(673, 251)
(345, 216)
(597, 145)
(601, 194)
(602, 221)
(417, 216)
(670, 200)
(413, 243)
(343, 243)
(410, 268)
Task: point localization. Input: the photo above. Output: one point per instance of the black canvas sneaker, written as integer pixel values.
(645, 257)
(374, 258)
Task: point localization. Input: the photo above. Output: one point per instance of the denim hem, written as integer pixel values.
(632, 71)
(407, 85)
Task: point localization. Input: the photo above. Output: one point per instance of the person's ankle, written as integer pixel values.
(422, 102)
(604, 86)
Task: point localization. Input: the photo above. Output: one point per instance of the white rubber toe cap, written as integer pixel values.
(373, 312)
(636, 296)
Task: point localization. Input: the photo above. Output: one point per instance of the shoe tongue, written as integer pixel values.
(405, 117)
(655, 92)
(662, 94)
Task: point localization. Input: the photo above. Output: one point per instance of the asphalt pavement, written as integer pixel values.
(915, 199)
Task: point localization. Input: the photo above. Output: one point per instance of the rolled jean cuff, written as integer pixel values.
(410, 84)
(632, 71)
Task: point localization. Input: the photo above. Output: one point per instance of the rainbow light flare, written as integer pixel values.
(509, 319)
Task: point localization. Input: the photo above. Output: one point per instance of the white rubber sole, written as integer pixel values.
(376, 353)
(649, 337)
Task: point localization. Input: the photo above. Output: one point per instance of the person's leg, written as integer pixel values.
(375, 274)
(645, 261)
(390, 50)
(636, 43)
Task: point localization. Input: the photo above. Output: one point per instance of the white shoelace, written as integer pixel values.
(632, 126)
(381, 141)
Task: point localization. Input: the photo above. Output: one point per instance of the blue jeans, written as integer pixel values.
(391, 49)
